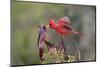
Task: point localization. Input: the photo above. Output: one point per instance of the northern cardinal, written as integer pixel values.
(63, 26)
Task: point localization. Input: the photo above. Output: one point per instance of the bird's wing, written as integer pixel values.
(64, 20)
(67, 27)
(42, 34)
(41, 38)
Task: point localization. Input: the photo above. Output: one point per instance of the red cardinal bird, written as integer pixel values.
(63, 26)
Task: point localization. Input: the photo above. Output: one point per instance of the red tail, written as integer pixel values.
(79, 33)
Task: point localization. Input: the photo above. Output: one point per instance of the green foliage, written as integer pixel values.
(54, 56)
(71, 58)
(57, 56)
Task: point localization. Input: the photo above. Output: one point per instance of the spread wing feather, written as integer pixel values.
(68, 27)
(64, 20)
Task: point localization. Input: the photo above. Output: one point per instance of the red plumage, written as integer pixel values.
(63, 26)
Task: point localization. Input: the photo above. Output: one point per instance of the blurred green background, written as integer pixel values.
(26, 15)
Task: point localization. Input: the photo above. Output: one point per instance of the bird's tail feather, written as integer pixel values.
(79, 33)
(41, 51)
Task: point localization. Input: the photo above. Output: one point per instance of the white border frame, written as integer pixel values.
(5, 32)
